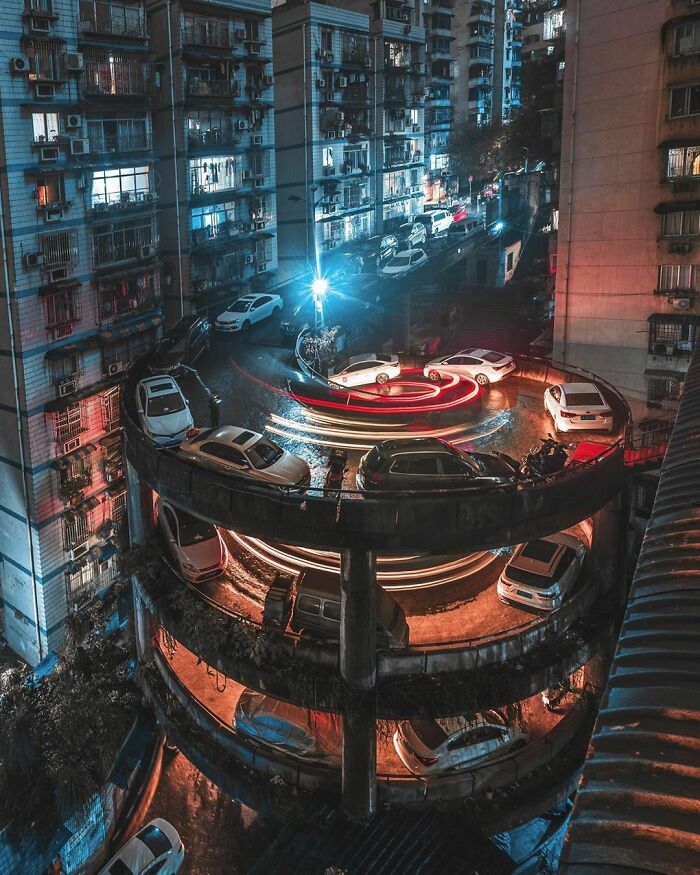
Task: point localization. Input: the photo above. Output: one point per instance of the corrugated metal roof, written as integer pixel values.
(638, 807)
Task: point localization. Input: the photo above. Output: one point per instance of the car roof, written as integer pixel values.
(363, 357)
(412, 445)
(539, 556)
(578, 387)
(452, 725)
(234, 435)
(159, 385)
(138, 855)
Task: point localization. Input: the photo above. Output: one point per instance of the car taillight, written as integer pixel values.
(566, 415)
(506, 585)
(375, 478)
(499, 367)
(426, 761)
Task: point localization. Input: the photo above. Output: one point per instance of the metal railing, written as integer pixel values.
(122, 244)
(59, 249)
(118, 74)
(99, 17)
(212, 34)
(120, 142)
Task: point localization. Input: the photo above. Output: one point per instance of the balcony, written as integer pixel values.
(212, 88)
(98, 18)
(123, 244)
(59, 249)
(103, 142)
(227, 135)
(126, 298)
(126, 201)
(116, 74)
(210, 35)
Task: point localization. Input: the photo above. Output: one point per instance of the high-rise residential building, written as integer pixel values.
(215, 140)
(487, 50)
(350, 92)
(629, 230)
(81, 285)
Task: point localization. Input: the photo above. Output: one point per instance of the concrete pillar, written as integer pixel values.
(358, 670)
(139, 511)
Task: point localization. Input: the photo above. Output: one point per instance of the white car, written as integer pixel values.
(163, 411)
(155, 848)
(543, 572)
(195, 545)
(432, 747)
(248, 455)
(483, 365)
(365, 370)
(248, 310)
(404, 263)
(578, 406)
(436, 221)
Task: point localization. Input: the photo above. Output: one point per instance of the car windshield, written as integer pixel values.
(164, 405)
(155, 840)
(430, 733)
(582, 399)
(194, 530)
(472, 461)
(239, 307)
(264, 453)
(492, 357)
(400, 260)
(119, 867)
(381, 357)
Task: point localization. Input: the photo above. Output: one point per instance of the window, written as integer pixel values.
(222, 451)
(120, 185)
(114, 133)
(69, 423)
(114, 243)
(45, 126)
(112, 18)
(110, 409)
(127, 294)
(79, 581)
(331, 611)
(678, 278)
(76, 529)
(209, 221)
(357, 157)
(354, 195)
(452, 467)
(683, 161)
(44, 60)
(328, 156)
(62, 310)
(355, 48)
(684, 101)
(50, 190)
(59, 249)
(681, 223)
(424, 465)
(686, 38)
(663, 388)
(326, 39)
(155, 840)
(307, 604)
(66, 368)
(203, 31)
(125, 351)
(214, 174)
(671, 334)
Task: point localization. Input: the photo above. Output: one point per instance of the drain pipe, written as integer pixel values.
(20, 430)
(175, 159)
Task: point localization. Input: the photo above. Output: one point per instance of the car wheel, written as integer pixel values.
(518, 745)
(382, 378)
(482, 379)
(246, 325)
(434, 376)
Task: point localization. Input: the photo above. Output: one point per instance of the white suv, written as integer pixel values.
(435, 221)
(163, 411)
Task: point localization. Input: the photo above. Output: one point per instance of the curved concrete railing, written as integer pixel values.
(444, 521)
(397, 790)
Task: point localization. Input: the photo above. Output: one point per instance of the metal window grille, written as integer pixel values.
(118, 134)
(663, 391)
(117, 72)
(59, 249)
(117, 19)
(76, 529)
(69, 423)
(201, 30)
(44, 60)
(80, 582)
(121, 243)
(110, 409)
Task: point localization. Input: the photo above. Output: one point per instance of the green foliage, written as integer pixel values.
(73, 486)
(318, 348)
(58, 740)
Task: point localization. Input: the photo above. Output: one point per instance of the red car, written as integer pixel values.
(459, 212)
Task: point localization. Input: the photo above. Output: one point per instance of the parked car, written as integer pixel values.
(578, 406)
(317, 610)
(365, 370)
(435, 221)
(248, 455)
(542, 573)
(404, 263)
(247, 311)
(483, 365)
(431, 747)
(431, 463)
(291, 326)
(463, 229)
(163, 411)
(372, 252)
(194, 544)
(155, 848)
(309, 735)
(183, 344)
(412, 234)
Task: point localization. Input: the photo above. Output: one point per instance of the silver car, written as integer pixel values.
(195, 546)
(248, 455)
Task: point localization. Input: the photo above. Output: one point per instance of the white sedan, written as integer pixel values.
(483, 365)
(431, 747)
(365, 370)
(248, 455)
(155, 848)
(195, 545)
(404, 263)
(578, 406)
(248, 310)
(163, 411)
(542, 573)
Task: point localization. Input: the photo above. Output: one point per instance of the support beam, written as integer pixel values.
(358, 670)
(139, 512)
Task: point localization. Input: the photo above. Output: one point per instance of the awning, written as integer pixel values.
(665, 374)
(128, 329)
(65, 462)
(82, 508)
(676, 206)
(111, 440)
(105, 551)
(117, 487)
(58, 287)
(673, 319)
(677, 142)
(59, 404)
(60, 352)
(77, 564)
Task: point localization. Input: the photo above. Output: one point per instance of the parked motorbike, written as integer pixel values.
(336, 471)
(545, 459)
(553, 696)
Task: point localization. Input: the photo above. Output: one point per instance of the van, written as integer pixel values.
(182, 346)
(317, 610)
(463, 229)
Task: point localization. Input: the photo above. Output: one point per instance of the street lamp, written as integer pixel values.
(319, 287)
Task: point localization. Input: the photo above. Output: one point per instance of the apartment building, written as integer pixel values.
(627, 265)
(81, 283)
(488, 58)
(350, 129)
(215, 141)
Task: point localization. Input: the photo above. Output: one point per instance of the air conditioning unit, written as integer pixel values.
(262, 267)
(33, 259)
(78, 551)
(681, 303)
(56, 274)
(407, 28)
(45, 90)
(148, 251)
(342, 133)
(321, 83)
(257, 140)
(40, 25)
(53, 214)
(267, 81)
(416, 129)
(49, 153)
(328, 56)
(69, 446)
(248, 227)
(329, 170)
(79, 147)
(259, 182)
(330, 135)
(249, 259)
(73, 62)
(73, 120)
(19, 65)
(254, 49)
(240, 126)
(116, 368)
(343, 82)
(65, 387)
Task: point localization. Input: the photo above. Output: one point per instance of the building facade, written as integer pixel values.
(214, 135)
(81, 283)
(627, 286)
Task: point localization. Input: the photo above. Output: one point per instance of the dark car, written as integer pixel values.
(183, 344)
(374, 251)
(430, 463)
(297, 321)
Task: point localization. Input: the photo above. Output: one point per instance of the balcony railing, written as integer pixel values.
(112, 20)
(213, 88)
(215, 35)
(227, 135)
(59, 249)
(132, 141)
(119, 74)
(124, 244)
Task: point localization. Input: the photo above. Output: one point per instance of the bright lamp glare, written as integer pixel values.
(498, 226)
(319, 287)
